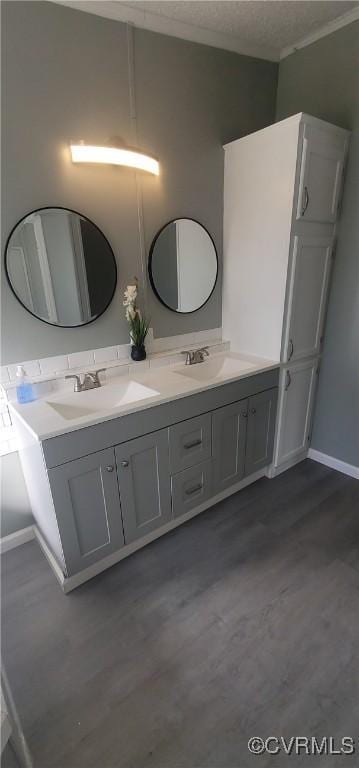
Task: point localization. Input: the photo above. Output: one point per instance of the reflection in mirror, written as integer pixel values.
(183, 265)
(61, 267)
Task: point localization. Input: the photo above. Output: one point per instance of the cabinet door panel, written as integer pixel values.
(308, 289)
(144, 477)
(320, 175)
(87, 504)
(260, 430)
(229, 425)
(297, 389)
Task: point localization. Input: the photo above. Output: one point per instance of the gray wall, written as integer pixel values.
(65, 76)
(323, 80)
(15, 504)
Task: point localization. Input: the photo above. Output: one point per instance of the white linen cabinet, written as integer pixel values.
(282, 193)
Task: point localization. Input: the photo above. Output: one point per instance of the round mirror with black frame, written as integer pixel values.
(61, 267)
(183, 265)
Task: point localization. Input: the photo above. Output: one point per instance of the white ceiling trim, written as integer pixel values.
(326, 29)
(156, 23)
(166, 26)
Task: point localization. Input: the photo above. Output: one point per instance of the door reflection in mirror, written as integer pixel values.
(183, 265)
(61, 267)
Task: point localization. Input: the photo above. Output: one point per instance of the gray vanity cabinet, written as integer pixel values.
(147, 472)
(229, 426)
(145, 488)
(260, 430)
(85, 493)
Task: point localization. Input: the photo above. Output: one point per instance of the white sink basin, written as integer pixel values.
(74, 405)
(216, 368)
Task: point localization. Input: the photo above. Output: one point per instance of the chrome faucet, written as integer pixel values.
(196, 355)
(90, 380)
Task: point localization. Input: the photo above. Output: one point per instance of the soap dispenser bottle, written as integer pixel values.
(24, 389)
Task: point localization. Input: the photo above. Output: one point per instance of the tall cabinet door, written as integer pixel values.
(260, 430)
(86, 493)
(321, 172)
(297, 389)
(308, 289)
(229, 428)
(145, 490)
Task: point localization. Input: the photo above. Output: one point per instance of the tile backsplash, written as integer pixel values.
(54, 366)
(106, 354)
(32, 368)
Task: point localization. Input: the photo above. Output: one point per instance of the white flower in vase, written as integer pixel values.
(138, 325)
(130, 295)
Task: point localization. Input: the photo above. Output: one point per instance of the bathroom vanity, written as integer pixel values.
(111, 469)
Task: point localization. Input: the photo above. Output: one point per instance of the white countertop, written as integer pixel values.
(43, 417)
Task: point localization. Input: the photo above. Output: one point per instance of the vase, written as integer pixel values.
(138, 353)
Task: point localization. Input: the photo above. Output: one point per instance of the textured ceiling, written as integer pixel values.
(273, 23)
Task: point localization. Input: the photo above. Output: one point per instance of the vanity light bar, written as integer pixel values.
(84, 153)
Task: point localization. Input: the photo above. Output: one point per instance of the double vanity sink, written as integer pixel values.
(68, 410)
(112, 397)
(110, 469)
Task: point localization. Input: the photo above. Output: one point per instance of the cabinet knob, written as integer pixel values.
(124, 463)
(110, 468)
(253, 410)
(245, 414)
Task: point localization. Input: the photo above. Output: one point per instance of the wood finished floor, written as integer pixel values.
(242, 622)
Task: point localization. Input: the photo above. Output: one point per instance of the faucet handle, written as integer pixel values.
(94, 376)
(204, 351)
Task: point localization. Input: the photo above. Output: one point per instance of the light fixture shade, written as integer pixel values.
(85, 153)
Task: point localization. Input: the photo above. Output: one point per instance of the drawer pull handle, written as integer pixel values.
(193, 444)
(124, 464)
(110, 468)
(195, 488)
(291, 349)
(306, 200)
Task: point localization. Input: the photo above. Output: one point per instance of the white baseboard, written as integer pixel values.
(49, 557)
(333, 463)
(16, 539)
(275, 470)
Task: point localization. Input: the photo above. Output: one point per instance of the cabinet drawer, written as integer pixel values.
(191, 487)
(190, 442)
